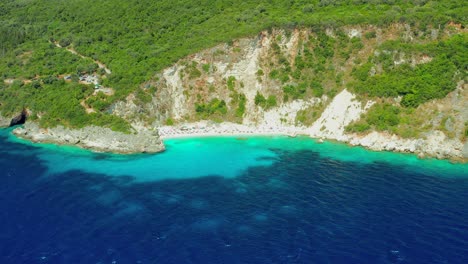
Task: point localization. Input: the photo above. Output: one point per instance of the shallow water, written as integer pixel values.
(230, 200)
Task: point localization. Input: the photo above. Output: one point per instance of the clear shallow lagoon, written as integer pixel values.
(230, 200)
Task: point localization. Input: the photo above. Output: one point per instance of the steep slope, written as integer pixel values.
(137, 38)
(310, 80)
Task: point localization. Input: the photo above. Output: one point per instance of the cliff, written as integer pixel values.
(331, 83)
(306, 80)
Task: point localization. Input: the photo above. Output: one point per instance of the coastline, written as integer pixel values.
(94, 138)
(4, 122)
(98, 139)
(211, 129)
(436, 145)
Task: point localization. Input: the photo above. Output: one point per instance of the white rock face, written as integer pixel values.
(4, 122)
(354, 32)
(343, 110)
(384, 141)
(465, 150)
(246, 69)
(285, 115)
(176, 90)
(177, 94)
(435, 145)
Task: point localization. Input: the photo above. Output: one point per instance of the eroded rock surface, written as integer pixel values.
(4, 122)
(95, 138)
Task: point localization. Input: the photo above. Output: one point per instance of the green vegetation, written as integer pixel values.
(98, 102)
(294, 91)
(309, 115)
(137, 38)
(193, 71)
(143, 96)
(215, 107)
(231, 82)
(259, 99)
(465, 137)
(420, 83)
(241, 106)
(65, 109)
(169, 122)
(381, 117)
(206, 67)
(265, 103)
(370, 35)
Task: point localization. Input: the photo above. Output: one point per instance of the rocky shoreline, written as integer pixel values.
(434, 145)
(105, 140)
(4, 122)
(330, 126)
(94, 138)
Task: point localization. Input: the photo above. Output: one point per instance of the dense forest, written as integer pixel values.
(137, 38)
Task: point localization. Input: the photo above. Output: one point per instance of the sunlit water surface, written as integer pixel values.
(230, 200)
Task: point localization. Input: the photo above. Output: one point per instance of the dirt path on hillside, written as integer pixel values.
(73, 51)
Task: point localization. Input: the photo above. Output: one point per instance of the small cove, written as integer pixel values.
(230, 200)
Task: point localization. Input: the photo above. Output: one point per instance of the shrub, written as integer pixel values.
(206, 67)
(169, 122)
(214, 107)
(317, 88)
(383, 116)
(370, 35)
(259, 99)
(241, 106)
(231, 82)
(270, 102)
(358, 127)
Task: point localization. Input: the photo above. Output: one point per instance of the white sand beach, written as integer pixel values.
(207, 129)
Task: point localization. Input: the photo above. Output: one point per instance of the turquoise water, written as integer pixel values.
(221, 156)
(230, 200)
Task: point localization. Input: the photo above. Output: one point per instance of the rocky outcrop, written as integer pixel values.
(95, 138)
(343, 110)
(436, 144)
(465, 150)
(250, 67)
(4, 122)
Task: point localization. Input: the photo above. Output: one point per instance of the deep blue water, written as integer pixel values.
(228, 200)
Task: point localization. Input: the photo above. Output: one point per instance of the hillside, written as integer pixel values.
(139, 38)
(139, 65)
(405, 84)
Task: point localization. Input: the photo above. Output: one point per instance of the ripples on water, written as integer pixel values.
(286, 204)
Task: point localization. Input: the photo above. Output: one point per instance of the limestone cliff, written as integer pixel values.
(299, 81)
(256, 82)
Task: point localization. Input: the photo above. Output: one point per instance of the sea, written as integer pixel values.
(230, 200)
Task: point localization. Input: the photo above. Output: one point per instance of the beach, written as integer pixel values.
(211, 129)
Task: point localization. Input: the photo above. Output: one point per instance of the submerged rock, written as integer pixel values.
(94, 138)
